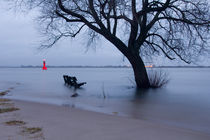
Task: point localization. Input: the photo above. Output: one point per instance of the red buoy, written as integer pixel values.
(44, 65)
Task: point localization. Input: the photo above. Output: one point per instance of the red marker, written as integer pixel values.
(44, 67)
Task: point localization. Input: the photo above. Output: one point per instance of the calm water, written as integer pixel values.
(184, 102)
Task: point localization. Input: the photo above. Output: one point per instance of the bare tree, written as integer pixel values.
(178, 29)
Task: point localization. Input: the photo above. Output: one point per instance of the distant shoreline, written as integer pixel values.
(102, 66)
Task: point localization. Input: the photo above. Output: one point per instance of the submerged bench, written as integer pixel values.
(72, 81)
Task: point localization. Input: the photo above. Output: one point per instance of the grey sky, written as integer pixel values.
(19, 40)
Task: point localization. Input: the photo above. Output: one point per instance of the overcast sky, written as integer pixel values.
(19, 42)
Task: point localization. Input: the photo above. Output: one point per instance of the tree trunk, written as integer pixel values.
(140, 73)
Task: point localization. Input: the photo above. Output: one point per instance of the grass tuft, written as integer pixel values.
(31, 130)
(15, 122)
(103, 91)
(5, 110)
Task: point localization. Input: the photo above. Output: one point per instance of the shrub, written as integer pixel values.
(157, 78)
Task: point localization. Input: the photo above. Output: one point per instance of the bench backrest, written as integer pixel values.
(65, 77)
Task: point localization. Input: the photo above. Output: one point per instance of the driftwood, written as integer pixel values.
(72, 81)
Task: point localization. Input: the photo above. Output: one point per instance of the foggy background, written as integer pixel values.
(20, 39)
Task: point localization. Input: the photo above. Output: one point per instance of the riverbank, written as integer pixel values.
(51, 122)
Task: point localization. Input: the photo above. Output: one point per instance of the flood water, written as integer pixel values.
(184, 102)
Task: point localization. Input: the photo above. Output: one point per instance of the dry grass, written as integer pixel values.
(4, 100)
(39, 136)
(5, 110)
(6, 104)
(115, 113)
(4, 92)
(31, 130)
(15, 122)
(158, 78)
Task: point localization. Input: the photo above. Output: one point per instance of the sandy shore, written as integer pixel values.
(65, 123)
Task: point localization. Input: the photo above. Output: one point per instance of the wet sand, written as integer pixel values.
(65, 123)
